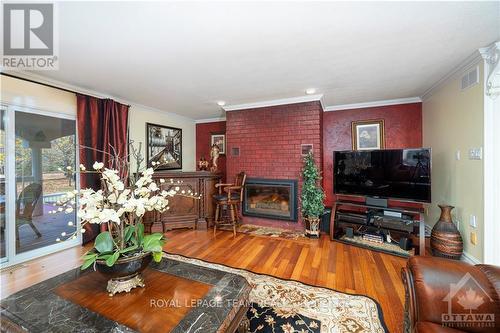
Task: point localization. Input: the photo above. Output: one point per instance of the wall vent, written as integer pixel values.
(470, 78)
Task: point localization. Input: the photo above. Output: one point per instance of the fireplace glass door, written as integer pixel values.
(269, 198)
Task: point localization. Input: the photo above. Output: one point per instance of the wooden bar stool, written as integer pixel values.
(229, 198)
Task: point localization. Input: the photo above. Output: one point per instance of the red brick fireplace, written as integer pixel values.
(269, 141)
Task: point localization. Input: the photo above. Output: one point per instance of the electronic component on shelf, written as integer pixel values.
(373, 238)
(352, 218)
(400, 224)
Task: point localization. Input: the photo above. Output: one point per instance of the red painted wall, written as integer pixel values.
(203, 140)
(403, 129)
(270, 141)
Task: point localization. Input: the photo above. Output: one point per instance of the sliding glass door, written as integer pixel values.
(41, 155)
(3, 225)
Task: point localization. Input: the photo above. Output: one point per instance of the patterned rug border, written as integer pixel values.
(377, 304)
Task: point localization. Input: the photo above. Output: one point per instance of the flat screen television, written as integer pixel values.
(403, 174)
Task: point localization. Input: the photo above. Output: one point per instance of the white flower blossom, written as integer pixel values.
(108, 215)
(98, 165)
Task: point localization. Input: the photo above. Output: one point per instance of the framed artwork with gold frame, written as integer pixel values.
(368, 134)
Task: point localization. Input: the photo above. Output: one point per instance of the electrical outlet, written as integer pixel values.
(472, 221)
(457, 155)
(473, 237)
(476, 154)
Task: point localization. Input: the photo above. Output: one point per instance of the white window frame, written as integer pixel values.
(12, 258)
(491, 247)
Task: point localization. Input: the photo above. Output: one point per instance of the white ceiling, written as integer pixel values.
(183, 57)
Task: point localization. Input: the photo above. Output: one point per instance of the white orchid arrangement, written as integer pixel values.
(120, 204)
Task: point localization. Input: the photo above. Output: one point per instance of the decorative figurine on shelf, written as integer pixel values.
(203, 164)
(214, 156)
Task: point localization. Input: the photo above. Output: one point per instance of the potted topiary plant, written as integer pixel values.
(312, 197)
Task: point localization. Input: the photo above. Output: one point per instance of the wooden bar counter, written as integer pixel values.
(185, 212)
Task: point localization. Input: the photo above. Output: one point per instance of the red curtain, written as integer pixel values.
(102, 124)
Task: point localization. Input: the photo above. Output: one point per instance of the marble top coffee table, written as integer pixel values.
(178, 297)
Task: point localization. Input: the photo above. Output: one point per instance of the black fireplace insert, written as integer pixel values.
(271, 198)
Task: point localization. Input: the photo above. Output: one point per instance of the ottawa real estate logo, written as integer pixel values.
(29, 36)
(468, 305)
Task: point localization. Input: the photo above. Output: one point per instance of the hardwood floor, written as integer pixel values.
(317, 262)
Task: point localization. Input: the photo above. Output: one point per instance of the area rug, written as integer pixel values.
(257, 230)
(279, 305)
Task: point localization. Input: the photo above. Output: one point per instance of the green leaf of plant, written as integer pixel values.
(130, 248)
(87, 263)
(129, 231)
(104, 256)
(154, 246)
(112, 259)
(89, 255)
(157, 256)
(153, 243)
(103, 242)
(140, 233)
(156, 236)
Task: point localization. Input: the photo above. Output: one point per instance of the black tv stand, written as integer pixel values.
(358, 219)
(377, 202)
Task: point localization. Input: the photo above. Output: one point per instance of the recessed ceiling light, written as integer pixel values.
(310, 91)
(221, 103)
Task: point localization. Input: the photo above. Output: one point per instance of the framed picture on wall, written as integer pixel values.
(367, 134)
(164, 145)
(219, 140)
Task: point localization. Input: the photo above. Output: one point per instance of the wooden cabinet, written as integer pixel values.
(185, 212)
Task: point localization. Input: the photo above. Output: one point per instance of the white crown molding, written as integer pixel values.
(275, 102)
(470, 61)
(470, 259)
(373, 104)
(491, 55)
(209, 120)
(64, 85)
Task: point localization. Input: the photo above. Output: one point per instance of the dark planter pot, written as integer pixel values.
(312, 227)
(446, 240)
(124, 275)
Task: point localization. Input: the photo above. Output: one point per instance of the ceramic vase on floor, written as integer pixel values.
(446, 240)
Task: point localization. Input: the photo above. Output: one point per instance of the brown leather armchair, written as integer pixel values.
(449, 296)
